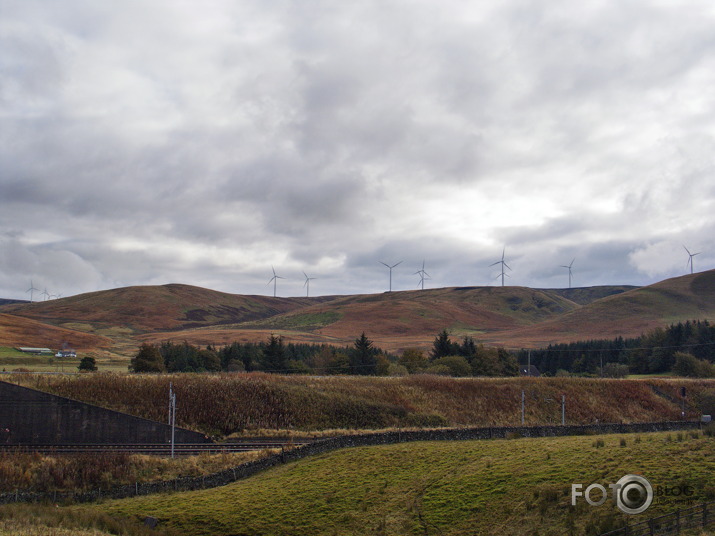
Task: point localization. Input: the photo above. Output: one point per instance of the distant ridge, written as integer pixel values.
(513, 317)
(5, 301)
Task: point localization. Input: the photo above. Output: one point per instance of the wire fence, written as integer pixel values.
(695, 517)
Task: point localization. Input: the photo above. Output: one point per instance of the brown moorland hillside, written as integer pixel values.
(394, 320)
(165, 307)
(16, 331)
(628, 314)
(514, 317)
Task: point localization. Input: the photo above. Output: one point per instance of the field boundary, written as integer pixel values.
(698, 516)
(322, 446)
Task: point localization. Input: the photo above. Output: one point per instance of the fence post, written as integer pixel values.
(677, 521)
(651, 526)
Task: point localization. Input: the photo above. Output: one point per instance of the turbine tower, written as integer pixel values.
(307, 284)
(569, 269)
(31, 290)
(275, 279)
(390, 267)
(690, 259)
(423, 275)
(503, 264)
(45, 294)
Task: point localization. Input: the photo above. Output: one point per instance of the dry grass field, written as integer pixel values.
(254, 403)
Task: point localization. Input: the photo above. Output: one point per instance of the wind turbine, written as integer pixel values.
(307, 284)
(569, 268)
(31, 290)
(503, 264)
(45, 294)
(422, 275)
(390, 267)
(690, 259)
(275, 279)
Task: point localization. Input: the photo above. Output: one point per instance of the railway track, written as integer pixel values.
(159, 449)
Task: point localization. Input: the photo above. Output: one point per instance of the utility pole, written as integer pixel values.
(563, 410)
(172, 415)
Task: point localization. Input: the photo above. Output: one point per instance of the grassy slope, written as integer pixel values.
(229, 403)
(449, 488)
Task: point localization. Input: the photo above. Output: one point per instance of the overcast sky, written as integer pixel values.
(152, 142)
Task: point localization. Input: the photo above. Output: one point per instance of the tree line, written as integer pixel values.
(465, 358)
(686, 348)
(273, 355)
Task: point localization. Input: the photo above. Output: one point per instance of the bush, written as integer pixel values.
(397, 370)
(615, 370)
(87, 364)
(690, 366)
(440, 370)
(413, 360)
(456, 365)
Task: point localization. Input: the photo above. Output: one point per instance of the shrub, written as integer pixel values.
(455, 364)
(88, 364)
(690, 366)
(615, 370)
(413, 360)
(397, 370)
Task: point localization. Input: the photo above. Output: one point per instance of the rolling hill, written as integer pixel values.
(19, 331)
(627, 314)
(116, 321)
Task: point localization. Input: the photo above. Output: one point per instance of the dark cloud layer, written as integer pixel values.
(163, 142)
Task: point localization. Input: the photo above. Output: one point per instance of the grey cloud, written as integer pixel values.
(159, 141)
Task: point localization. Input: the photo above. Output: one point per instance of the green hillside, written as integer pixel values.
(518, 486)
